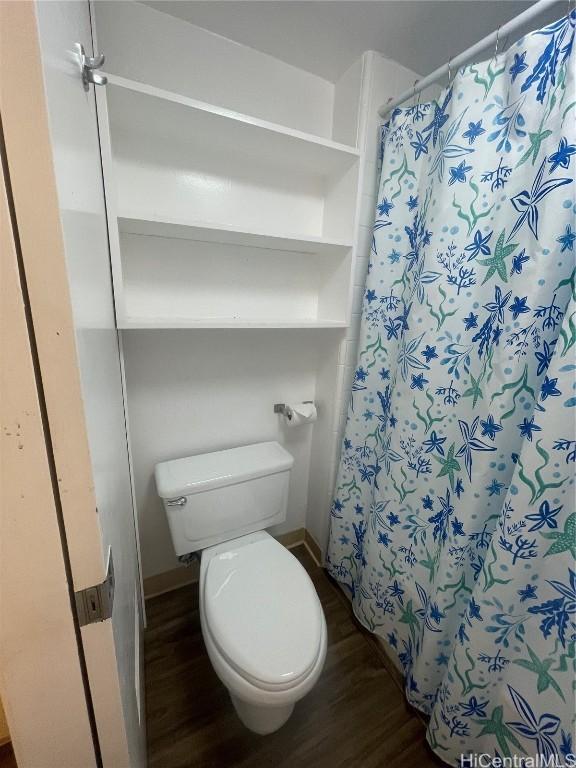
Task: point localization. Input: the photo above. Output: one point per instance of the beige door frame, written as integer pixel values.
(50, 534)
(41, 676)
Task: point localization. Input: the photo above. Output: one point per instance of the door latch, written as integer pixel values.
(89, 66)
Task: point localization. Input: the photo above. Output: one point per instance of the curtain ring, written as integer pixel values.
(496, 47)
(414, 93)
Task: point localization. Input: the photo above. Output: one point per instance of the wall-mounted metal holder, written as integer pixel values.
(285, 410)
(88, 67)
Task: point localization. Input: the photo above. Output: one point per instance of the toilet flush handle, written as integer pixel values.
(179, 502)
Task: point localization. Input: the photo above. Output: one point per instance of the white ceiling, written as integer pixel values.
(326, 36)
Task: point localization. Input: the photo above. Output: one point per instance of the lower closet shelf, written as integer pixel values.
(133, 323)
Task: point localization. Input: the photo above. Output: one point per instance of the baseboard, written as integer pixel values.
(292, 538)
(181, 577)
(393, 670)
(395, 673)
(382, 649)
(169, 580)
(313, 548)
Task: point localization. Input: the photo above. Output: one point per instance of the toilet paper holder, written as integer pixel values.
(285, 410)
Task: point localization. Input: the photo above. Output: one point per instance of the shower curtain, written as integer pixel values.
(453, 523)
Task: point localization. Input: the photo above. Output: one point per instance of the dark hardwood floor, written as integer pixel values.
(7, 758)
(355, 716)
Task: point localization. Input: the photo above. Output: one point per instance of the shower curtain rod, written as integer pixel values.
(464, 57)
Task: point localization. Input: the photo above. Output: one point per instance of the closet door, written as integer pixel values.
(52, 142)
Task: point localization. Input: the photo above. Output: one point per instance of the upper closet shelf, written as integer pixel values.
(173, 117)
(231, 236)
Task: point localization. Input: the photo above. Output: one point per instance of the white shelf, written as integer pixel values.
(138, 106)
(223, 220)
(227, 235)
(186, 322)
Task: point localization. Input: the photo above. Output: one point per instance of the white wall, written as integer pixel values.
(192, 391)
(197, 391)
(150, 46)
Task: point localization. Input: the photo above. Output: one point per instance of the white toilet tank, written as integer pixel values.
(215, 497)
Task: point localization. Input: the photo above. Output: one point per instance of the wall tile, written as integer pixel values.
(360, 270)
(364, 242)
(354, 327)
(357, 297)
(367, 209)
(369, 181)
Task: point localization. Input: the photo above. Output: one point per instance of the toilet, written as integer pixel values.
(262, 621)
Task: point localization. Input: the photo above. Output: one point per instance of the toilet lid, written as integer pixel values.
(263, 613)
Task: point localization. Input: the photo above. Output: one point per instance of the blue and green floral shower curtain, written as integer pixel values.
(453, 523)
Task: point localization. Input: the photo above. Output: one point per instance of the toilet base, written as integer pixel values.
(262, 720)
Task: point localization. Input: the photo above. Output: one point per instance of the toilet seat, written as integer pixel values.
(262, 612)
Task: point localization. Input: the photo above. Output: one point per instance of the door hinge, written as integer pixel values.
(94, 604)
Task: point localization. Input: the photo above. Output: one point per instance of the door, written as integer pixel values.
(42, 671)
(72, 312)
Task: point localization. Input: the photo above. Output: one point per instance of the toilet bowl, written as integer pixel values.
(262, 621)
(263, 627)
